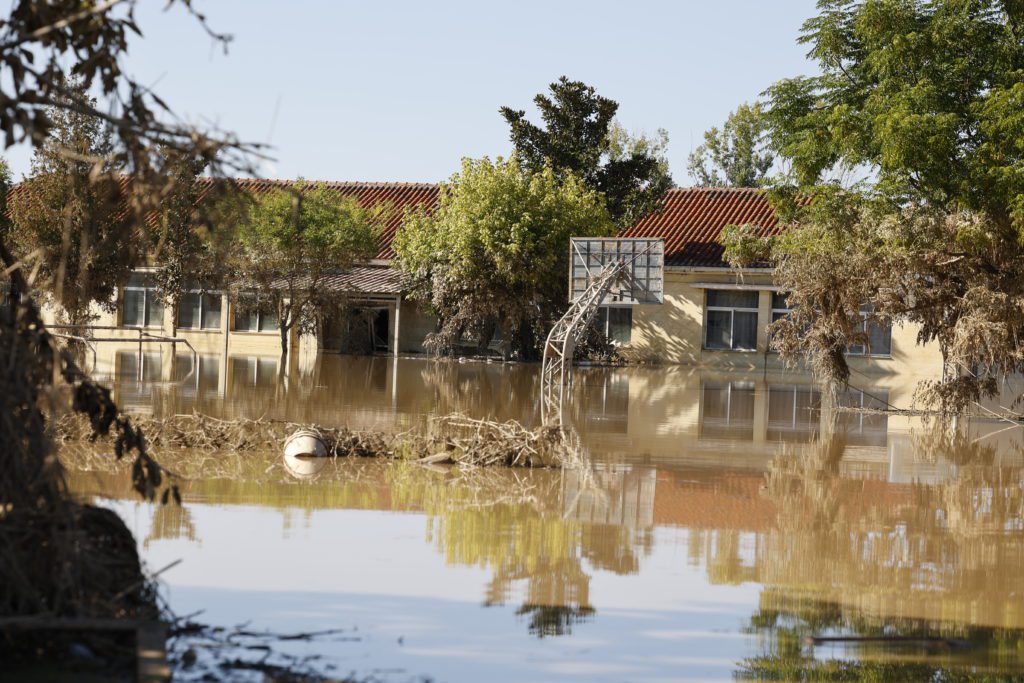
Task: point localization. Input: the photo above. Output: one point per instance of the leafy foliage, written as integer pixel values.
(194, 239)
(737, 155)
(62, 557)
(70, 222)
(580, 138)
(925, 99)
(494, 255)
(290, 241)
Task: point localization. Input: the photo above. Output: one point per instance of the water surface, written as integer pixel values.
(726, 517)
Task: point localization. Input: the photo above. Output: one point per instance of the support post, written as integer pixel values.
(398, 320)
(225, 329)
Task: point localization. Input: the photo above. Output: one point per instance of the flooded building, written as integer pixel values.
(712, 316)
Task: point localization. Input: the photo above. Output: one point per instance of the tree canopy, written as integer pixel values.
(925, 99)
(738, 154)
(494, 255)
(580, 138)
(70, 222)
(290, 241)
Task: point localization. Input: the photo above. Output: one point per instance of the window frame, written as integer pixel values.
(202, 293)
(147, 291)
(256, 311)
(732, 321)
(864, 353)
(605, 323)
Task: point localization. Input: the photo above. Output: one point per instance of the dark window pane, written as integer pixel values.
(731, 298)
(188, 311)
(268, 319)
(133, 308)
(620, 324)
(245, 318)
(138, 280)
(779, 300)
(719, 331)
(154, 310)
(211, 311)
(744, 330)
(880, 337)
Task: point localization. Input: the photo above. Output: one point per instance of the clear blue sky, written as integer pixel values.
(400, 91)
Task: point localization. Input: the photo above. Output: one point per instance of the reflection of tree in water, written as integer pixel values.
(871, 558)
(517, 529)
(170, 522)
(482, 389)
(517, 524)
(554, 620)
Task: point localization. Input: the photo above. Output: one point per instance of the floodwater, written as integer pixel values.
(726, 518)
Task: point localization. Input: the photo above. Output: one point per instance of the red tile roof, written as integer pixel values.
(692, 219)
(399, 196)
(690, 222)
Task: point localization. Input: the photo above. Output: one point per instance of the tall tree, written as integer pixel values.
(926, 97)
(195, 237)
(63, 557)
(69, 216)
(495, 253)
(291, 241)
(737, 155)
(577, 139)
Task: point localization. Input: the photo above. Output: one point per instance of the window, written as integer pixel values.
(731, 321)
(261, 318)
(140, 305)
(780, 306)
(199, 311)
(879, 337)
(616, 322)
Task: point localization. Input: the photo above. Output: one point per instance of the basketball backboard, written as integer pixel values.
(645, 268)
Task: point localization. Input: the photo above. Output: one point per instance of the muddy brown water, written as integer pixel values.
(726, 517)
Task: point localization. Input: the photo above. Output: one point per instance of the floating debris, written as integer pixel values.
(453, 439)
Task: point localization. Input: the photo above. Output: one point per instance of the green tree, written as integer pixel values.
(926, 99)
(495, 253)
(737, 155)
(291, 241)
(73, 224)
(180, 245)
(579, 137)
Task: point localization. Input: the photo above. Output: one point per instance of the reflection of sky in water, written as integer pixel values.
(373, 571)
(715, 526)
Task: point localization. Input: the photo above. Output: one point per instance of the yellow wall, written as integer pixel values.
(670, 333)
(673, 332)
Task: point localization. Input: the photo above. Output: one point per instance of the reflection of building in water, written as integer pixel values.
(788, 412)
(610, 495)
(646, 415)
